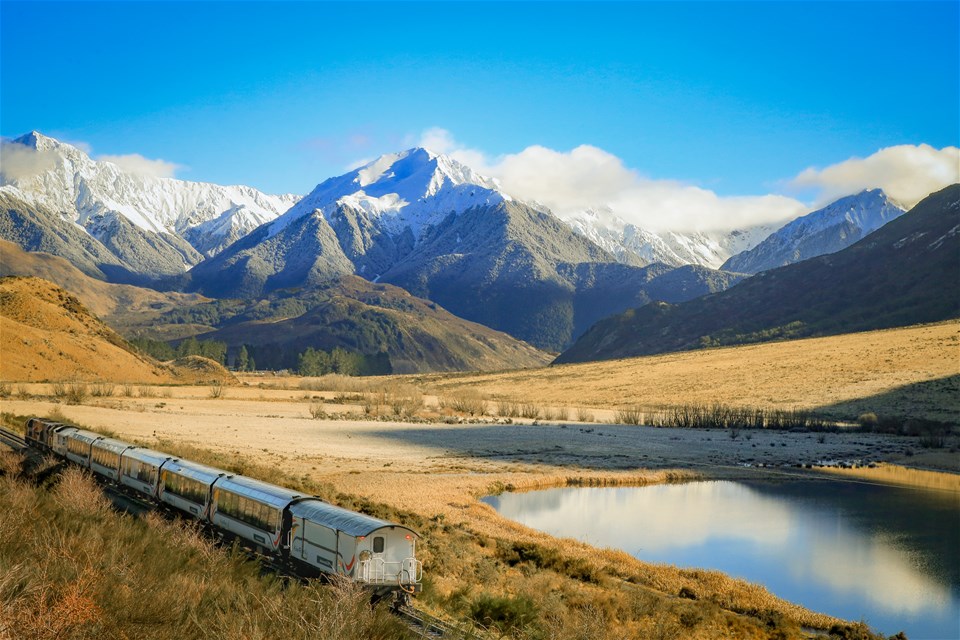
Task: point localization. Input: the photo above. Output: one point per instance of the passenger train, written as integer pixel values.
(301, 531)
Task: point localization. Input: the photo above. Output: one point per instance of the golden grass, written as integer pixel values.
(807, 374)
(895, 474)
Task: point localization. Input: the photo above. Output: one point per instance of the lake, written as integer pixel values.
(887, 555)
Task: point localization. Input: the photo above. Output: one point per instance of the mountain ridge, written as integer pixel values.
(903, 273)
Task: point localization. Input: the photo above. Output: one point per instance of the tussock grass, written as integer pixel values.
(102, 389)
(5, 389)
(73, 568)
(76, 393)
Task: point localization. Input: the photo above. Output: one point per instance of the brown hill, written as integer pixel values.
(126, 308)
(48, 334)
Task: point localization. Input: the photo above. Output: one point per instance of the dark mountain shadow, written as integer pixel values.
(937, 399)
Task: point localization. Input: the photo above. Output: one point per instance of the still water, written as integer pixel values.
(887, 555)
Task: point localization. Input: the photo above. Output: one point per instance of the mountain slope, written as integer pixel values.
(351, 313)
(47, 334)
(827, 230)
(433, 226)
(123, 307)
(152, 226)
(904, 273)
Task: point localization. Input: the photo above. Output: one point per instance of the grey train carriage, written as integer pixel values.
(314, 537)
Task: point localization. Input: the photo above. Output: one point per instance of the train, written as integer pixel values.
(312, 537)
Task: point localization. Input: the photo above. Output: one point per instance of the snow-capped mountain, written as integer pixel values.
(435, 227)
(630, 243)
(153, 225)
(827, 230)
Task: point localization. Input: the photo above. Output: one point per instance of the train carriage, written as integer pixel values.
(330, 539)
(78, 446)
(140, 470)
(253, 511)
(105, 457)
(58, 437)
(187, 486)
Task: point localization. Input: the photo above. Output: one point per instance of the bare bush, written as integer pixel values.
(584, 415)
(469, 403)
(59, 389)
(5, 389)
(147, 392)
(317, 411)
(102, 389)
(630, 415)
(77, 392)
(23, 393)
(216, 390)
(507, 409)
(129, 390)
(529, 410)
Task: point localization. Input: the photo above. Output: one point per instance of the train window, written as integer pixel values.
(378, 544)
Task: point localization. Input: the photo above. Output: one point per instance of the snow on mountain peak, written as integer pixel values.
(65, 178)
(409, 189)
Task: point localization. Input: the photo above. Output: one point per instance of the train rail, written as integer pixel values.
(13, 440)
(421, 623)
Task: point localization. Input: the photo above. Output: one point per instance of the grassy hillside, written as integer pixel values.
(913, 371)
(904, 273)
(74, 568)
(48, 334)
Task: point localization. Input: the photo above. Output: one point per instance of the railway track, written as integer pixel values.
(13, 440)
(421, 623)
(428, 626)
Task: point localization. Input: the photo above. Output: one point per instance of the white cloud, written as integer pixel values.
(19, 161)
(569, 182)
(907, 173)
(136, 163)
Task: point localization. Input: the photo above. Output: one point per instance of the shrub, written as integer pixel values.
(59, 389)
(584, 415)
(101, 390)
(470, 403)
(216, 390)
(5, 389)
(631, 415)
(529, 410)
(76, 393)
(317, 411)
(504, 613)
(508, 409)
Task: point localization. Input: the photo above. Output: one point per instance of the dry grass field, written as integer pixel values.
(912, 371)
(353, 441)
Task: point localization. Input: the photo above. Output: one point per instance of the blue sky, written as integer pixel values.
(735, 98)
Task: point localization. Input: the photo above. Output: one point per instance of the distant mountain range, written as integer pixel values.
(630, 243)
(415, 219)
(826, 230)
(906, 272)
(118, 225)
(433, 226)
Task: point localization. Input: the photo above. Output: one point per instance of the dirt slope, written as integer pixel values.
(48, 334)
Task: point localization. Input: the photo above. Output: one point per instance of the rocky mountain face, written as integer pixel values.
(827, 230)
(116, 224)
(631, 244)
(903, 273)
(433, 226)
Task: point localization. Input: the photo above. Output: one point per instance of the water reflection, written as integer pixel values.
(888, 555)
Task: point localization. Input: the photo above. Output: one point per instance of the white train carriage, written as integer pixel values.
(374, 552)
(252, 510)
(105, 457)
(140, 470)
(58, 437)
(187, 486)
(79, 444)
